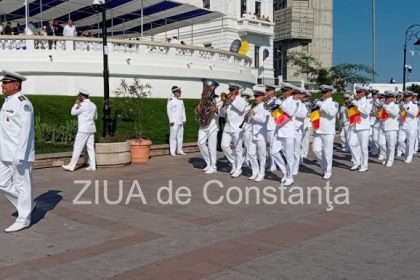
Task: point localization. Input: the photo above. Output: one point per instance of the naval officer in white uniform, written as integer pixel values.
(17, 149)
(176, 116)
(86, 113)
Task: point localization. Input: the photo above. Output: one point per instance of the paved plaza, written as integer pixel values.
(375, 236)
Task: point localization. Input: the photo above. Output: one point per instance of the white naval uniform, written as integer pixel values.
(271, 128)
(390, 127)
(307, 131)
(247, 137)
(284, 139)
(176, 115)
(86, 116)
(207, 139)
(234, 114)
(374, 131)
(345, 128)
(258, 148)
(299, 122)
(360, 146)
(410, 129)
(17, 153)
(323, 142)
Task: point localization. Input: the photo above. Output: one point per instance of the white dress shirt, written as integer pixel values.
(288, 106)
(392, 122)
(176, 111)
(411, 120)
(17, 129)
(328, 109)
(234, 113)
(86, 116)
(69, 31)
(259, 123)
(365, 107)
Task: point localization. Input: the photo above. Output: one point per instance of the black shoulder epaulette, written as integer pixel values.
(21, 98)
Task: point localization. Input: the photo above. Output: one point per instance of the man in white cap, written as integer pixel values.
(360, 146)
(270, 96)
(176, 116)
(299, 121)
(390, 127)
(246, 128)
(307, 126)
(344, 122)
(86, 113)
(259, 118)
(234, 113)
(408, 122)
(284, 137)
(17, 149)
(323, 142)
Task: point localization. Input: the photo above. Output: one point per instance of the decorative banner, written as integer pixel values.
(244, 47)
(280, 117)
(403, 115)
(266, 54)
(315, 117)
(235, 46)
(354, 115)
(382, 115)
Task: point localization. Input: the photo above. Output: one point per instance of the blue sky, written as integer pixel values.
(352, 35)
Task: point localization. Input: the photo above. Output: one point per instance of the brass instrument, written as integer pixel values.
(399, 99)
(225, 97)
(207, 103)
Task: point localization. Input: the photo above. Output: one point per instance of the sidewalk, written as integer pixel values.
(375, 237)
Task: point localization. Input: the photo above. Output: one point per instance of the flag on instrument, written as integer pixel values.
(382, 115)
(418, 113)
(403, 115)
(315, 117)
(354, 115)
(280, 117)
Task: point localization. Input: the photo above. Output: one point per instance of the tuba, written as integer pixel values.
(207, 103)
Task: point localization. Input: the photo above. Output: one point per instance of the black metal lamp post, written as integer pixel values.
(410, 34)
(99, 6)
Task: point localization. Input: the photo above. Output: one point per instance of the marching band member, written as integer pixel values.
(360, 147)
(345, 125)
(246, 130)
(415, 101)
(390, 127)
(374, 125)
(299, 121)
(234, 112)
(270, 97)
(307, 127)
(176, 116)
(284, 139)
(207, 136)
(324, 134)
(409, 124)
(379, 102)
(259, 118)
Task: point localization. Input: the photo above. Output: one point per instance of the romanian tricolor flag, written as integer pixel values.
(280, 117)
(382, 115)
(315, 117)
(403, 115)
(418, 113)
(354, 115)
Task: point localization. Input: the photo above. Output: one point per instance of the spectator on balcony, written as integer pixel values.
(51, 29)
(17, 29)
(1, 28)
(175, 41)
(69, 29)
(58, 29)
(8, 29)
(30, 29)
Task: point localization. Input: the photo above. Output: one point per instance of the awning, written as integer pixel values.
(123, 16)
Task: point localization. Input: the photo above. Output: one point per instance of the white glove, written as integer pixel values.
(354, 102)
(318, 103)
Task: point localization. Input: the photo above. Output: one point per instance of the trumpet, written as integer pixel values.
(247, 115)
(225, 98)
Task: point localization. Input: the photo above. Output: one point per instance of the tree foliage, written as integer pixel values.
(339, 76)
(415, 88)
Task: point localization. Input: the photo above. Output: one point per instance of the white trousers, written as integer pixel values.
(402, 136)
(322, 146)
(344, 137)
(391, 141)
(176, 137)
(233, 156)
(374, 145)
(247, 139)
(411, 141)
(270, 139)
(360, 147)
(16, 183)
(287, 147)
(381, 143)
(257, 157)
(305, 142)
(207, 143)
(82, 140)
(297, 150)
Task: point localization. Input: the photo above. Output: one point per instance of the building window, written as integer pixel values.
(279, 4)
(243, 8)
(206, 4)
(257, 9)
(256, 57)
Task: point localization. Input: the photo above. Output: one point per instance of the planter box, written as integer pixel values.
(111, 154)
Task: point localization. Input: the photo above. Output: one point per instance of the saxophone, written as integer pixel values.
(207, 103)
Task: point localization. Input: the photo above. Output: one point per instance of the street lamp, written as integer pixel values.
(410, 34)
(99, 6)
(281, 63)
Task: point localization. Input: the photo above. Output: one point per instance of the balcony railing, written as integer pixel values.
(256, 26)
